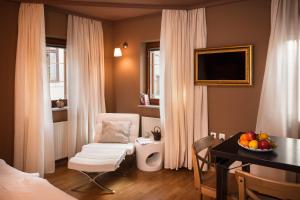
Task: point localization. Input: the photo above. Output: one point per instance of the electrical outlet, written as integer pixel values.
(214, 134)
(222, 136)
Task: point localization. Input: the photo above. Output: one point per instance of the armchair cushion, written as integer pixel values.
(115, 132)
(133, 118)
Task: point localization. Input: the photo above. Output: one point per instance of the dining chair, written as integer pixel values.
(205, 179)
(257, 188)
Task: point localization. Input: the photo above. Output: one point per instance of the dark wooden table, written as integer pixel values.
(286, 156)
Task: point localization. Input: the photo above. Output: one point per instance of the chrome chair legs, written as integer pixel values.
(93, 179)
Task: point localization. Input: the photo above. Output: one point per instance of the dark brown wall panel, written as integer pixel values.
(60, 116)
(108, 62)
(56, 24)
(8, 41)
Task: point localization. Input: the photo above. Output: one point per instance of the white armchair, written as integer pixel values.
(101, 158)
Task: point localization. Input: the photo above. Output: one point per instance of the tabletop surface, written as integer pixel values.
(285, 156)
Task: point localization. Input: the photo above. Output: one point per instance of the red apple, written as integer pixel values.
(264, 144)
(251, 135)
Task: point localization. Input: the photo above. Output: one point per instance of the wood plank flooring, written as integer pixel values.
(134, 185)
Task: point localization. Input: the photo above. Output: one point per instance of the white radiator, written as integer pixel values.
(148, 124)
(61, 140)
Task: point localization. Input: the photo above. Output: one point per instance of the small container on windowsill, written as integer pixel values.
(60, 103)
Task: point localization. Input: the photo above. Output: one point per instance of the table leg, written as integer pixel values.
(221, 181)
(246, 168)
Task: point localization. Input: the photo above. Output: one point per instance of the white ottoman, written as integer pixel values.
(149, 157)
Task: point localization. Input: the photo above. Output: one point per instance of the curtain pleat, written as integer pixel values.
(85, 69)
(278, 112)
(33, 141)
(183, 118)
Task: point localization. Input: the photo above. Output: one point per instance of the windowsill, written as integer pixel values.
(149, 106)
(59, 109)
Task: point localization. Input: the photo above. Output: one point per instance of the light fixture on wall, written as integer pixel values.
(118, 51)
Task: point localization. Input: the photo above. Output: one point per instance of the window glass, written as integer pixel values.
(56, 70)
(154, 73)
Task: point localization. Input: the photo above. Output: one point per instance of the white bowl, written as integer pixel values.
(256, 150)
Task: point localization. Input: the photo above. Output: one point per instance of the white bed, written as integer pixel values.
(17, 185)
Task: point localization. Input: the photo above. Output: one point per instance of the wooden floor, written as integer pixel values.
(134, 185)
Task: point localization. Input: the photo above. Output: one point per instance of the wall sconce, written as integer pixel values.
(118, 51)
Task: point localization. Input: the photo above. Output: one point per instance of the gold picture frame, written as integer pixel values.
(247, 49)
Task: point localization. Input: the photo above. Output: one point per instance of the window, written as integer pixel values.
(153, 71)
(56, 63)
(56, 69)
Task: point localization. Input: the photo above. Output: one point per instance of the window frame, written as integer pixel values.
(150, 46)
(58, 43)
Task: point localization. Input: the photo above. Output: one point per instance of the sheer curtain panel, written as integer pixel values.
(33, 141)
(278, 112)
(85, 68)
(183, 119)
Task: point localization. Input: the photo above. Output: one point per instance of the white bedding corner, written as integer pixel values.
(17, 185)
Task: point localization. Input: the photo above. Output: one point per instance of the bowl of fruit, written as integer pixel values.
(256, 142)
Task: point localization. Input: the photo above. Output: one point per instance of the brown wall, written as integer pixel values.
(56, 23)
(8, 41)
(108, 59)
(231, 109)
(127, 68)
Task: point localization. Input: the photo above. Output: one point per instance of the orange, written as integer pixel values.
(244, 137)
(245, 143)
(263, 136)
(253, 144)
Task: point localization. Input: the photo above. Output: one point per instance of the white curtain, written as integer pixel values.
(183, 119)
(278, 112)
(85, 68)
(33, 141)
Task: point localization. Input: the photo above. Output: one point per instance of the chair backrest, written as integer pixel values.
(198, 146)
(250, 185)
(133, 118)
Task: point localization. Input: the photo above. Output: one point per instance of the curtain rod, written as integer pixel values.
(204, 4)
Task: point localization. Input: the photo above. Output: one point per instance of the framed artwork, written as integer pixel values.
(224, 66)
